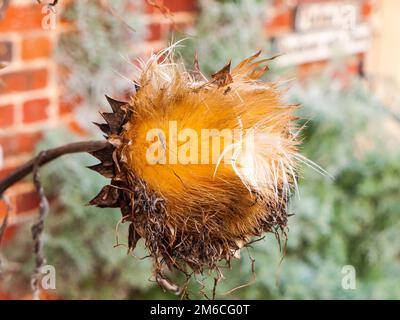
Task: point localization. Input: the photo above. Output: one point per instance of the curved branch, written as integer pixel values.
(48, 156)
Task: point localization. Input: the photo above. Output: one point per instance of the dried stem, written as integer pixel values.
(37, 229)
(33, 166)
(48, 156)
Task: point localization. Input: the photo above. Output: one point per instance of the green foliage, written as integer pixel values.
(219, 33)
(349, 219)
(79, 240)
(96, 53)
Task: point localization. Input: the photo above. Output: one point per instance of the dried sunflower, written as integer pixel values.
(199, 166)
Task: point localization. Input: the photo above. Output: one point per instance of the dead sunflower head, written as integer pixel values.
(199, 166)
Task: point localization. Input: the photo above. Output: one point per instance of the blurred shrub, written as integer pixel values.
(96, 53)
(79, 240)
(349, 219)
(226, 30)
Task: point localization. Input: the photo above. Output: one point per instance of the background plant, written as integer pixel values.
(350, 219)
(96, 53)
(226, 27)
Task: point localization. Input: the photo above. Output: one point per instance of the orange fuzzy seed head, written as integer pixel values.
(203, 164)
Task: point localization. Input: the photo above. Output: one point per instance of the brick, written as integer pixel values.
(6, 115)
(19, 143)
(179, 5)
(10, 230)
(76, 128)
(280, 23)
(8, 235)
(172, 5)
(3, 210)
(6, 51)
(36, 47)
(22, 18)
(154, 32)
(23, 80)
(366, 9)
(35, 110)
(67, 106)
(6, 171)
(312, 68)
(26, 201)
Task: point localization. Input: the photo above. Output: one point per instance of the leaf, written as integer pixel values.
(104, 127)
(115, 104)
(223, 77)
(114, 121)
(105, 170)
(133, 237)
(108, 197)
(105, 155)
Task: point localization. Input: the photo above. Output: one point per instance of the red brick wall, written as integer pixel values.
(28, 95)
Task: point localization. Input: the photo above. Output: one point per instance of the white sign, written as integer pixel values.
(299, 48)
(323, 31)
(317, 16)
